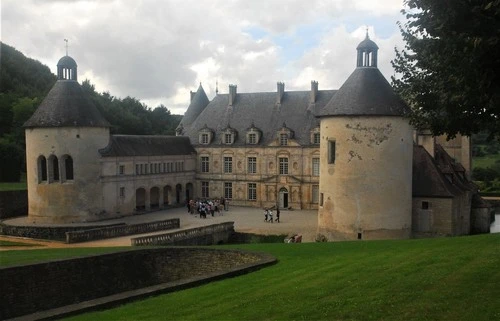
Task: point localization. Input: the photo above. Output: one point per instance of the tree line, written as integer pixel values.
(24, 84)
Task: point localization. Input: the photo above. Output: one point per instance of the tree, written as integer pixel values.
(448, 68)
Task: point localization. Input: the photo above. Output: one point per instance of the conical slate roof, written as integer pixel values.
(198, 103)
(66, 106)
(365, 93)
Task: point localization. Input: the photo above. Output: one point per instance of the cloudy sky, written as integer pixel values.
(159, 50)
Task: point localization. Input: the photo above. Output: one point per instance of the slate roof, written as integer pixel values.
(198, 103)
(429, 178)
(147, 145)
(262, 110)
(365, 93)
(66, 62)
(428, 181)
(66, 105)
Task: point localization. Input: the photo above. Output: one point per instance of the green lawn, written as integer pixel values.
(429, 279)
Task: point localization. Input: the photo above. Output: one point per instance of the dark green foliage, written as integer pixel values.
(11, 161)
(449, 65)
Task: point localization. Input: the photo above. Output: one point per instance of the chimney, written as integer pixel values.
(281, 91)
(314, 91)
(192, 93)
(232, 94)
(426, 140)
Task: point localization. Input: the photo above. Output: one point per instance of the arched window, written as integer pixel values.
(53, 169)
(42, 169)
(67, 171)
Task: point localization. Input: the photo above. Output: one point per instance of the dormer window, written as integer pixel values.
(253, 135)
(284, 135)
(229, 136)
(204, 139)
(283, 139)
(205, 135)
(315, 136)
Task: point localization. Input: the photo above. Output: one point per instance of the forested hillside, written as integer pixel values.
(24, 82)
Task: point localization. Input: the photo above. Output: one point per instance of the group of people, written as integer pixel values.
(204, 207)
(268, 215)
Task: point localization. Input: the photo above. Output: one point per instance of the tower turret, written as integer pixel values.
(366, 157)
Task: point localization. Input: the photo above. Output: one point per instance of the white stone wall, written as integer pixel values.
(367, 191)
(76, 200)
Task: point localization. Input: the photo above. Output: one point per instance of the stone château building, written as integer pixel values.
(350, 153)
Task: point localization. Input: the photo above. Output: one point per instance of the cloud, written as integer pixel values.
(158, 51)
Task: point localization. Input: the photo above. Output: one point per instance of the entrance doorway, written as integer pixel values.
(283, 198)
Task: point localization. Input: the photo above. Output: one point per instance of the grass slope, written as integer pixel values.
(432, 279)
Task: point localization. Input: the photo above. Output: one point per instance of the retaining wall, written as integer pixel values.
(204, 235)
(70, 286)
(121, 230)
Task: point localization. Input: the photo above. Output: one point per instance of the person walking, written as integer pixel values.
(265, 214)
(270, 216)
(277, 215)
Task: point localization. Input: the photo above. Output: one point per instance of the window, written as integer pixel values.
(151, 169)
(228, 164)
(205, 164)
(122, 169)
(252, 191)
(316, 138)
(137, 169)
(425, 205)
(228, 138)
(315, 167)
(205, 190)
(204, 139)
(283, 139)
(252, 165)
(228, 190)
(331, 152)
(283, 165)
(315, 194)
(68, 168)
(42, 169)
(252, 138)
(53, 168)
(122, 192)
(321, 199)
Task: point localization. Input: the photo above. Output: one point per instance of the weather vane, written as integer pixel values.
(66, 40)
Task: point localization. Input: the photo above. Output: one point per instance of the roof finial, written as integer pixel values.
(367, 37)
(66, 40)
(216, 87)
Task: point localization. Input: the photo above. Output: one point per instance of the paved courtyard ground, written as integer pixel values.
(246, 219)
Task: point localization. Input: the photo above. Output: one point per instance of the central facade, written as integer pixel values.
(257, 149)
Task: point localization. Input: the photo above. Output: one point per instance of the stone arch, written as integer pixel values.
(67, 168)
(178, 191)
(42, 169)
(154, 197)
(140, 199)
(53, 168)
(167, 192)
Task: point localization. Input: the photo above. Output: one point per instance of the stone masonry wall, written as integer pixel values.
(33, 288)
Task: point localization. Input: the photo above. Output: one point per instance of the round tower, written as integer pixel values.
(366, 157)
(63, 138)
